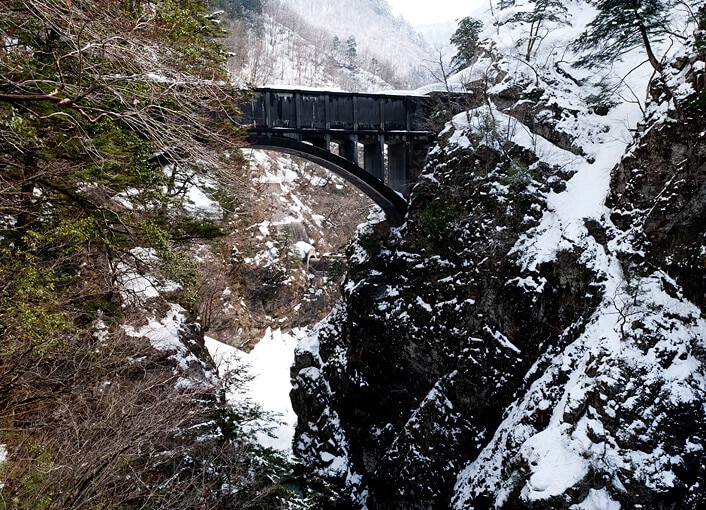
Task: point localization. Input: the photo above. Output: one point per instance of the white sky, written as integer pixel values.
(422, 12)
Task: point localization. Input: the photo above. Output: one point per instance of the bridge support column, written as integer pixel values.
(349, 149)
(375, 157)
(397, 163)
(417, 159)
(322, 143)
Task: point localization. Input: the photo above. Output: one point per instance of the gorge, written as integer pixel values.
(526, 329)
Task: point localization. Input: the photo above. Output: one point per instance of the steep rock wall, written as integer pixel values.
(439, 329)
(658, 196)
(494, 353)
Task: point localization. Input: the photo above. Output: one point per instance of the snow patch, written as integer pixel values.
(557, 464)
(269, 365)
(136, 287)
(3, 458)
(597, 500)
(164, 334)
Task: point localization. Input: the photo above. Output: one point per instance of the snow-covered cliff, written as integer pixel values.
(533, 335)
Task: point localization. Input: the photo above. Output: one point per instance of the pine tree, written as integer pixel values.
(621, 26)
(238, 8)
(351, 50)
(374, 65)
(465, 39)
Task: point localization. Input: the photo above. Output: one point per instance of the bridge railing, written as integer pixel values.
(325, 111)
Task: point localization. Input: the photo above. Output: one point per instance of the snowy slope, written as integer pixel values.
(608, 420)
(438, 37)
(377, 33)
(555, 458)
(612, 370)
(305, 43)
(268, 365)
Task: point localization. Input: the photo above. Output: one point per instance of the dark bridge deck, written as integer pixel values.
(338, 129)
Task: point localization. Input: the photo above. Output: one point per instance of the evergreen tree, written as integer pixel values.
(700, 33)
(351, 50)
(465, 39)
(621, 26)
(237, 8)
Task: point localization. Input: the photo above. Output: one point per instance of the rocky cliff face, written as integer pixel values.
(658, 191)
(534, 334)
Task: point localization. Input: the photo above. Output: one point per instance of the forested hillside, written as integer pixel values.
(347, 45)
(107, 144)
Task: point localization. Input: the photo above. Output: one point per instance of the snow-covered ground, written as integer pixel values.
(3, 457)
(562, 454)
(268, 364)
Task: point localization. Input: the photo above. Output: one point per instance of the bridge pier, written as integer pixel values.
(397, 164)
(375, 156)
(348, 149)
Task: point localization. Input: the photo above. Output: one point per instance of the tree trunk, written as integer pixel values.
(26, 214)
(648, 48)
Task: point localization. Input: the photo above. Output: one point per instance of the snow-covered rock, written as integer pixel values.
(533, 336)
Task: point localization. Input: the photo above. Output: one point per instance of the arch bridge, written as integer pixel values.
(375, 141)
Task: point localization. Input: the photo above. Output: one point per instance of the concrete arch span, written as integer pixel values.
(391, 202)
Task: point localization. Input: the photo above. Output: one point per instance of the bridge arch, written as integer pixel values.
(393, 204)
(306, 123)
